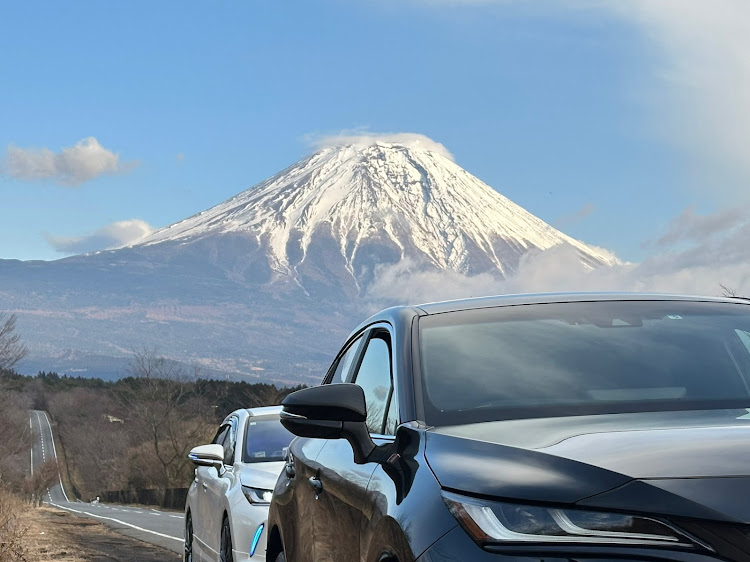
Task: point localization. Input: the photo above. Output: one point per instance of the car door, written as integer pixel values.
(340, 483)
(201, 512)
(217, 483)
(293, 495)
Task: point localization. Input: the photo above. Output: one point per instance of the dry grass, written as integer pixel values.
(44, 541)
(56, 535)
(12, 528)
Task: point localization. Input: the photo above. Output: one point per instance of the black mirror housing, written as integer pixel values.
(330, 411)
(333, 402)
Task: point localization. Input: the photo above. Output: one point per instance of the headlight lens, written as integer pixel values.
(505, 523)
(257, 495)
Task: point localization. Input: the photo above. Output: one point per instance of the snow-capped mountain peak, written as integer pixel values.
(379, 202)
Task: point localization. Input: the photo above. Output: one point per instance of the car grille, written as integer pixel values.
(729, 541)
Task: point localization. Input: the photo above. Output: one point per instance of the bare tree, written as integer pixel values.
(11, 348)
(162, 401)
(727, 291)
(35, 487)
(12, 529)
(95, 439)
(15, 439)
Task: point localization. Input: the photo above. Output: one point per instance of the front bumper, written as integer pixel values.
(244, 524)
(456, 545)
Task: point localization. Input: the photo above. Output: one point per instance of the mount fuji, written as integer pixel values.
(266, 284)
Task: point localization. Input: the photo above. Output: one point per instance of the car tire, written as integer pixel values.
(226, 554)
(188, 554)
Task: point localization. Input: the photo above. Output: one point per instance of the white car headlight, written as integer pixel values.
(257, 495)
(506, 523)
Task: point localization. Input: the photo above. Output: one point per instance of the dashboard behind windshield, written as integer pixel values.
(265, 440)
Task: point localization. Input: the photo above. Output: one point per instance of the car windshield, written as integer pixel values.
(582, 358)
(265, 440)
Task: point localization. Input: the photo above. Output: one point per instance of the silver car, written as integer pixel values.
(227, 504)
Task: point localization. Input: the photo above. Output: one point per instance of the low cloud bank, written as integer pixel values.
(723, 257)
(116, 234)
(72, 166)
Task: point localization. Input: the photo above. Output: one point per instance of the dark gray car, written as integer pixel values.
(538, 427)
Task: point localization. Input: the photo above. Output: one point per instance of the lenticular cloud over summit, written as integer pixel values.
(415, 141)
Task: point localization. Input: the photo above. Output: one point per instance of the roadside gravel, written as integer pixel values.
(54, 534)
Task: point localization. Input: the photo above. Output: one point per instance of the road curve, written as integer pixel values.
(162, 528)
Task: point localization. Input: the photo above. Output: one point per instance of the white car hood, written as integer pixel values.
(261, 474)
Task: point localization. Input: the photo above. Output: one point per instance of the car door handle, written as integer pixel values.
(316, 485)
(289, 469)
(205, 486)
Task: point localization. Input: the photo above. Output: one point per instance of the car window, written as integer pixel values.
(230, 442)
(221, 435)
(265, 440)
(344, 364)
(374, 376)
(391, 421)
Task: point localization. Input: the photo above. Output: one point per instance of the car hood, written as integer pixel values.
(261, 474)
(691, 456)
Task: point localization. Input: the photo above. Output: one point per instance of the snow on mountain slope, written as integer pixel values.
(380, 202)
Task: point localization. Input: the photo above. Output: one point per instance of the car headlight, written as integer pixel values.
(499, 523)
(257, 495)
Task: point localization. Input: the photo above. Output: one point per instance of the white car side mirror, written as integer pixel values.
(207, 455)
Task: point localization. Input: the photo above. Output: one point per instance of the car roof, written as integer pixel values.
(541, 298)
(264, 410)
(404, 314)
(253, 412)
(392, 314)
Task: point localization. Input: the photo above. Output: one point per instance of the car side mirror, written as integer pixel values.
(207, 455)
(330, 411)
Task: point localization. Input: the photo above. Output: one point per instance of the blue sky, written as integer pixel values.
(607, 120)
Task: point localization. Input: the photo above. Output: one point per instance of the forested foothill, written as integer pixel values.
(135, 432)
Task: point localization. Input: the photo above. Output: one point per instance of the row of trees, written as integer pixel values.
(135, 432)
(15, 440)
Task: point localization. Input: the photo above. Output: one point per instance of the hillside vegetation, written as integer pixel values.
(131, 433)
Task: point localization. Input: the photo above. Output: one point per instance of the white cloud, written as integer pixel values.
(120, 233)
(575, 217)
(702, 88)
(723, 258)
(362, 137)
(694, 78)
(73, 165)
(691, 226)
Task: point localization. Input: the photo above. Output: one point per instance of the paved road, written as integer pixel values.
(162, 528)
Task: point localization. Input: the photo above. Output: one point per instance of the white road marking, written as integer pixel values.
(119, 521)
(31, 429)
(54, 451)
